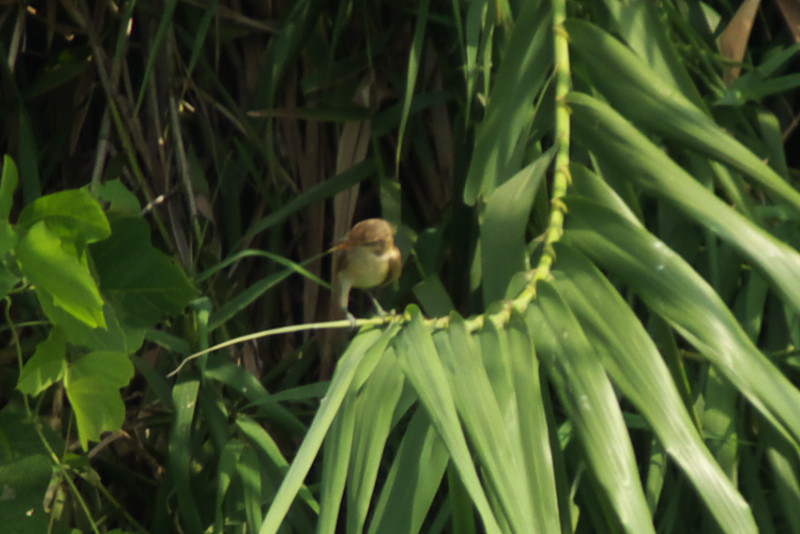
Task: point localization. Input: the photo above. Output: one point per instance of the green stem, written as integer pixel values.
(562, 177)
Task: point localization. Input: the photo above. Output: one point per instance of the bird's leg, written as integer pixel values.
(377, 305)
(344, 299)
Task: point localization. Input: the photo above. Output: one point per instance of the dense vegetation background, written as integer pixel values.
(598, 211)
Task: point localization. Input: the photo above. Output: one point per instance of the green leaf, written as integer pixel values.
(409, 491)
(8, 184)
(373, 407)
(503, 134)
(626, 152)
(695, 310)
(46, 366)
(631, 86)
(589, 399)
(73, 215)
(425, 371)
(7, 279)
(55, 267)
(494, 434)
(363, 352)
(336, 464)
(25, 472)
(146, 283)
(633, 362)
(115, 336)
(503, 225)
(120, 198)
(93, 382)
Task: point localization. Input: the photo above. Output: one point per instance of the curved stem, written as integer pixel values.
(562, 177)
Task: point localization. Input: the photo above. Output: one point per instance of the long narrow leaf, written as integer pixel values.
(633, 362)
(366, 349)
(424, 369)
(588, 397)
(624, 150)
(654, 271)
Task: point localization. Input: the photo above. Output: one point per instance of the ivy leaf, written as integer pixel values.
(56, 266)
(73, 215)
(116, 336)
(92, 383)
(145, 282)
(46, 366)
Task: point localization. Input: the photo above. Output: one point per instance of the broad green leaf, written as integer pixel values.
(93, 382)
(641, 25)
(624, 150)
(493, 433)
(365, 350)
(46, 366)
(73, 215)
(503, 225)
(632, 87)
(634, 364)
(502, 136)
(145, 282)
(413, 479)
(426, 373)
(121, 200)
(25, 470)
(114, 336)
(56, 268)
(519, 355)
(337, 454)
(7, 279)
(588, 397)
(374, 408)
(695, 310)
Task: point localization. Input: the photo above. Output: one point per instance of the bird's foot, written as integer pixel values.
(352, 319)
(378, 306)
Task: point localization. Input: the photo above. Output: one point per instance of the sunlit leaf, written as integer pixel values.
(93, 382)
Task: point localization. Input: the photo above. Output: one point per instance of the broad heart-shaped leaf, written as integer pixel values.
(57, 267)
(92, 383)
(116, 335)
(46, 366)
(120, 198)
(25, 471)
(73, 215)
(144, 281)
(7, 278)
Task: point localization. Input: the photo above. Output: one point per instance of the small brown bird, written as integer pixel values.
(368, 259)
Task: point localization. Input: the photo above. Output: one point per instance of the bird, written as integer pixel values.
(368, 259)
